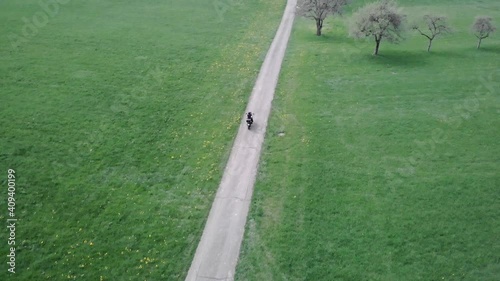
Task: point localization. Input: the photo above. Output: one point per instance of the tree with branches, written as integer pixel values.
(482, 28)
(434, 26)
(319, 10)
(382, 20)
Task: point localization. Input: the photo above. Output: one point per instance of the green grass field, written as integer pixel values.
(118, 117)
(381, 168)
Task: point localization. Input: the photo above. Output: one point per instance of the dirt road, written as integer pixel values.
(217, 253)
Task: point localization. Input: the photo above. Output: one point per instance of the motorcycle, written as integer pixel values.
(249, 120)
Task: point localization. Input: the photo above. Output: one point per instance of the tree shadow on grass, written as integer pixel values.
(490, 49)
(448, 54)
(324, 38)
(400, 58)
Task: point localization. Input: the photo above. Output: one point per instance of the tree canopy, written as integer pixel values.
(319, 10)
(382, 20)
(482, 28)
(434, 26)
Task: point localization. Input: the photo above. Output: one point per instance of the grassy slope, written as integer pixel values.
(388, 169)
(118, 117)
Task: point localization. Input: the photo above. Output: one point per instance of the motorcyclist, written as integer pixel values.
(249, 117)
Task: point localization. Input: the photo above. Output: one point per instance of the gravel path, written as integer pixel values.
(217, 253)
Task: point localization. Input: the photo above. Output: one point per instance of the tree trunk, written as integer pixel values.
(377, 41)
(479, 43)
(430, 44)
(319, 26)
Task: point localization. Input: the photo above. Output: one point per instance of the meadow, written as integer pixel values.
(381, 167)
(118, 117)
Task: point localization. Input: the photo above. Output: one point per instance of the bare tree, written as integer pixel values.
(319, 10)
(436, 25)
(482, 28)
(382, 19)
